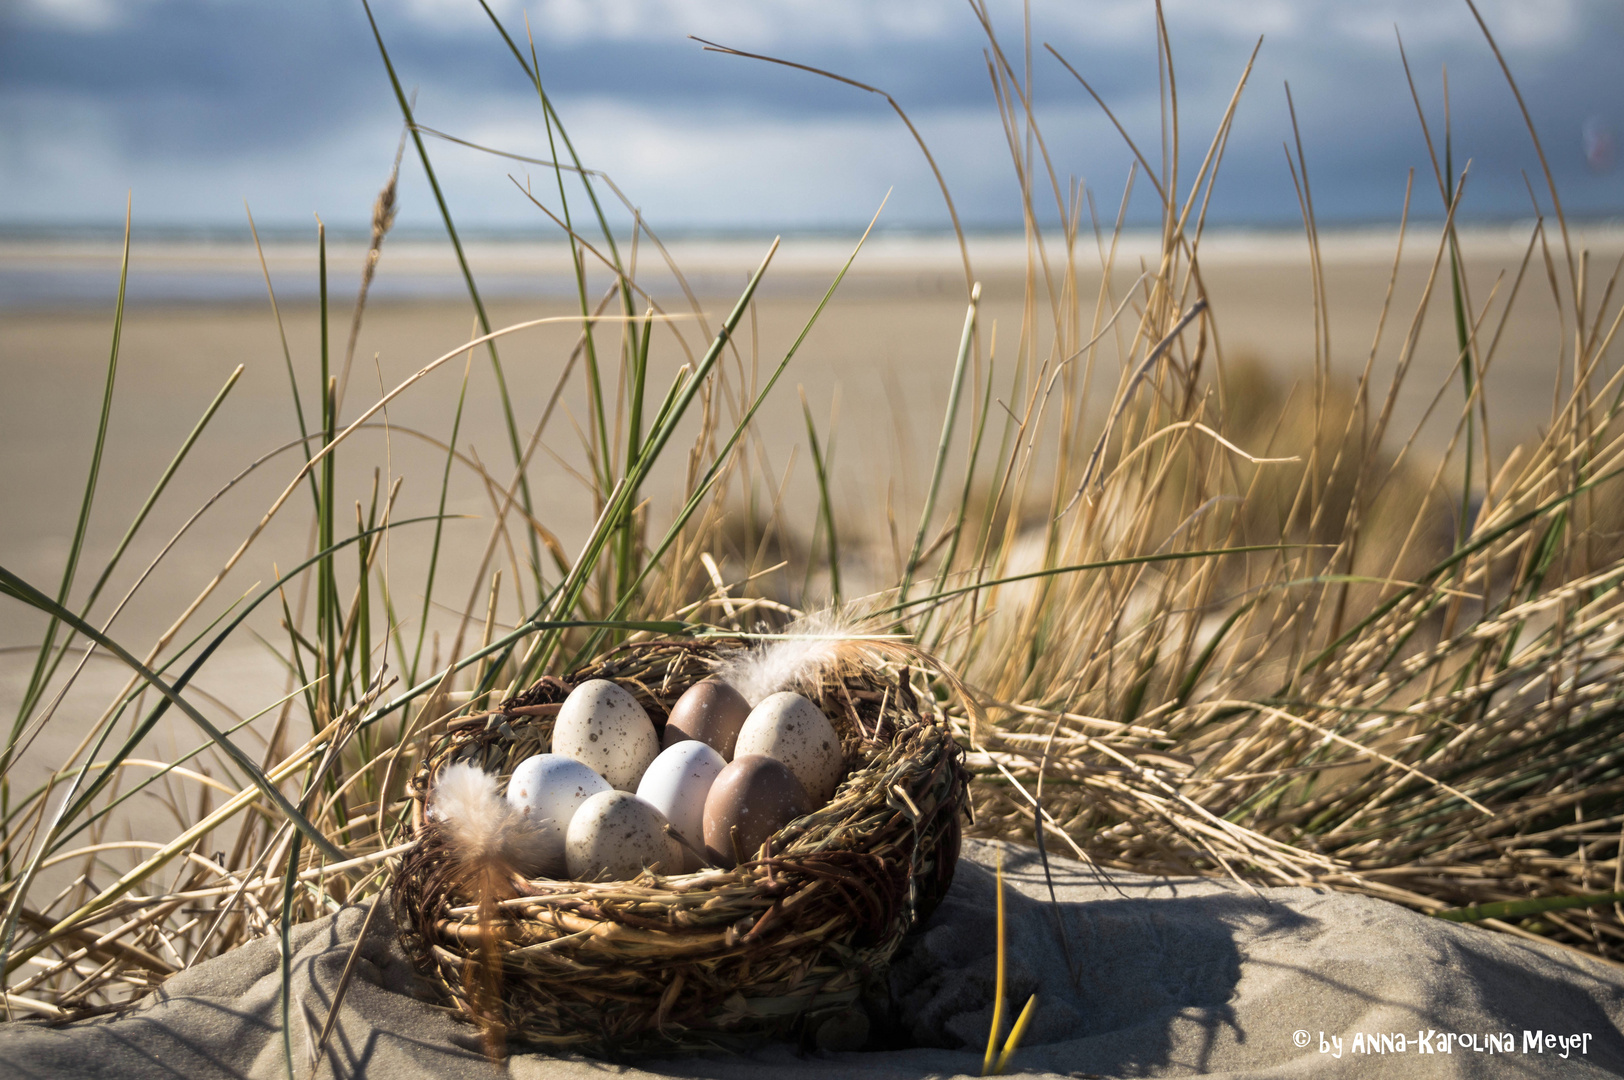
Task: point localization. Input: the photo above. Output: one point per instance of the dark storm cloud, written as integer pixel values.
(256, 72)
(263, 97)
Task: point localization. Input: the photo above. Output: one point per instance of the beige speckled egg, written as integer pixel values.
(756, 796)
(602, 726)
(615, 835)
(790, 728)
(711, 712)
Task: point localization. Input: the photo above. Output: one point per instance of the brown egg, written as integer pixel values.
(711, 712)
(755, 795)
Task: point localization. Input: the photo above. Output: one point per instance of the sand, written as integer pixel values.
(875, 371)
(1169, 978)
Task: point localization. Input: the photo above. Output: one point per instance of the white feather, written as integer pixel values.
(795, 660)
(468, 802)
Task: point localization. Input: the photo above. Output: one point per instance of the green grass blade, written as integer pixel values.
(16, 587)
(36, 682)
(290, 887)
(1198, 666)
(624, 551)
(163, 482)
(969, 481)
(158, 774)
(948, 420)
(135, 526)
(434, 548)
(327, 613)
(1518, 909)
(287, 355)
(619, 504)
(563, 133)
(467, 276)
(825, 507)
(1463, 341)
(634, 415)
(151, 720)
(715, 471)
(626, 563)
(594, 376)
(636, 351)
(19, 589)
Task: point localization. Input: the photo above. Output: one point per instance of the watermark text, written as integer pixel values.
(1428, 1041)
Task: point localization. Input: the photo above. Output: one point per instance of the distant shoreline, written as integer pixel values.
(72, 271)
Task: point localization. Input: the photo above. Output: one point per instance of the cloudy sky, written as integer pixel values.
(198, 105)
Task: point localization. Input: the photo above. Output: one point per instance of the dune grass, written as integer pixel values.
(1197, 639)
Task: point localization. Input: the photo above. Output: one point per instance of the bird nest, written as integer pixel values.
(716, 959)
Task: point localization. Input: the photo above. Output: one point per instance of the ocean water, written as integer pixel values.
(45, 271)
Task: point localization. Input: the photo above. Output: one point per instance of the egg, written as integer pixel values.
(676, 785)
(752, 798)
(546, 790)
(615, 835)
(711, 712)
(602, 726)
(790, 728)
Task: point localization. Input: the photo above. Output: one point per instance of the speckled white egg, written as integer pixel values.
(546, 790)
(676, 785)
(791, 729)
(614, 835)
(602, 726)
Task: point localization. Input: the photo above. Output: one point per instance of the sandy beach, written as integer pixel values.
(880, 361)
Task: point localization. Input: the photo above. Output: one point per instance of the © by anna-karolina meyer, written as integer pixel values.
(1429, 1041)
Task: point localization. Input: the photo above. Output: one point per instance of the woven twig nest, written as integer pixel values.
(711, 960)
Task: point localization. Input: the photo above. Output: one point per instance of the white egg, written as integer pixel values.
(676, 785)
(614, 835)
(602, 726)
(791, 729)
(546, 790)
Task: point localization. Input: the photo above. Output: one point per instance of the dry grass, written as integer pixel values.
(1201, 641)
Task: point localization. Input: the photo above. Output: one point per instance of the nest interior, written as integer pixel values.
(710, 960)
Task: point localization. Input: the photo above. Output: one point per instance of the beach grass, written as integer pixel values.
(1226, 630)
